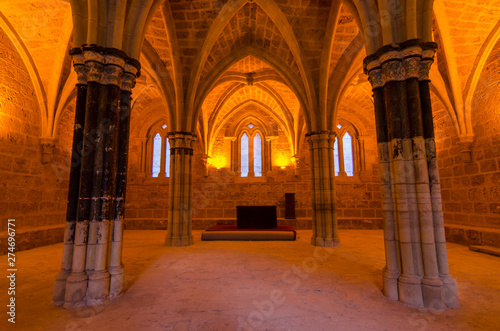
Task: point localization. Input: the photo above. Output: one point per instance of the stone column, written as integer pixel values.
(410, 222)
(93, 193)
(450, 287)
(116, 269)
(325, 230)
(391, 239)
(74, 178)
(180, 189)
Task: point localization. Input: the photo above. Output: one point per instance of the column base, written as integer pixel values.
(60, 288)
(410, 290)
(98, 289)
(450, 292)
(179, 241)
(76, 290)
(116, 283)
(390, 279)
(325, 242)
(433, 293)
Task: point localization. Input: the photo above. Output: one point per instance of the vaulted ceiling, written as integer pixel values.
(203, 59)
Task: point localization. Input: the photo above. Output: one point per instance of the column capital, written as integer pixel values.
(181, 142)
(399, 62)
(104, 65)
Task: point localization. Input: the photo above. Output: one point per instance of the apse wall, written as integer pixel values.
(471, 188)
(32, 193)
(216, 195)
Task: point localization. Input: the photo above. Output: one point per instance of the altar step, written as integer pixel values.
(231, 232)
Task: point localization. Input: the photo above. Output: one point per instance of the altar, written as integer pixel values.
(256, 217)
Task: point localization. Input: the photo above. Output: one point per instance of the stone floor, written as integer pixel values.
(253, 286)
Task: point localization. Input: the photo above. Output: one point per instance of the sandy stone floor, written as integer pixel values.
(253, 286)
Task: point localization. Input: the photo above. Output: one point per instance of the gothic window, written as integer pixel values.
(244, 155)
(156, 155)
(156, 152)
(257, 155)
(336, 156)
(249, 158)
(348, 157)
(347, 151)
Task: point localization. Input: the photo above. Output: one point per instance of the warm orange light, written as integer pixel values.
(218, 162)
(282, 161)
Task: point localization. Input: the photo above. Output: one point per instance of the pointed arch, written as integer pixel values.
(339, 77)
(454, 89)
(326, 55)
(168, 21)
(474, 77)
(238, 55)
(32, 71)
(228, 11)
(242, 105)
(157, 71)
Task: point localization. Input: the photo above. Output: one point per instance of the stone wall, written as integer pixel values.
(31, 192)
(216, 196)
(471, 188)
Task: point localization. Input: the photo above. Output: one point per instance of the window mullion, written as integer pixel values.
(341, 156)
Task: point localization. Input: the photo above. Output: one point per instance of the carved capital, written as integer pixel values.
(128, 81)
(82, 72)
(375, 78)
(113, 75)
(95, 71)
(181, 142)
(411, 66)
(393, 70)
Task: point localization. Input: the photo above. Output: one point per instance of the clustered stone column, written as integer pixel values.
(416, 269)
(325, 230)
(92, 271)
(180, 189)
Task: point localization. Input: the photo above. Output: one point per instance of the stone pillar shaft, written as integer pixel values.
(413, 222)
(325, 230)
(74, 184)
(180, 187)
(94, 191)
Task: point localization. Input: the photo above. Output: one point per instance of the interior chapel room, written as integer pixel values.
(250, 164)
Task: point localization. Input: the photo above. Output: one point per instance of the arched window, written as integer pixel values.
(336, 156)
(155, 151)
(244, 155)
(257, 155)
(156, 164)
(167, 159)
(347, 151)
(250, 152)
(348, 155)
